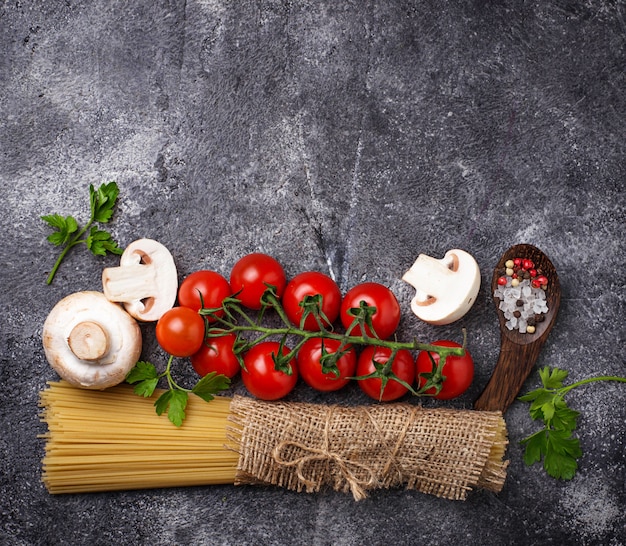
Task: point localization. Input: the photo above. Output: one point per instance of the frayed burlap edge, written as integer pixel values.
(308, 447)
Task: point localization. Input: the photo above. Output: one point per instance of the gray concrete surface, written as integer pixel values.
(346, 137)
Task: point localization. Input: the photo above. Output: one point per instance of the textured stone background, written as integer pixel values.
(346, 137)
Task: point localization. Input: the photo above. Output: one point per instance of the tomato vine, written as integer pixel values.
(231, 318)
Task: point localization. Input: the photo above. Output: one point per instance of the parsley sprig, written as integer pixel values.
(555, 442)
(174, 400)
(67, 233)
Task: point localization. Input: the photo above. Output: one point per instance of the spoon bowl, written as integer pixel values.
(519, 352)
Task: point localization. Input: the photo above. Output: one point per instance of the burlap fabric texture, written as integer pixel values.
(308, 447)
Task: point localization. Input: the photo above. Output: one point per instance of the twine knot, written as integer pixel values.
(349, 470)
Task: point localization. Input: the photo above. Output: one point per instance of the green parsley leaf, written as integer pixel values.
(564, 418)
(163, 402)
(67, 233)
(175, 402)
(102, 201)
(100, 242)
(210, 384)
(65, 227)
(146, 387)
(536, 445)
(142, 370)
(146, 377)
(561, 454)
(552, 379)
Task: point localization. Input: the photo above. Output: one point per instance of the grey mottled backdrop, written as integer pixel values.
(346, 137)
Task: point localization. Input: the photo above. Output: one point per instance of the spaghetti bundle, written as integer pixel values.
(112, 440)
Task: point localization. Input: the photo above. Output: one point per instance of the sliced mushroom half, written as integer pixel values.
(146, 281)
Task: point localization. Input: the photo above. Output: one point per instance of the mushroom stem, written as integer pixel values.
(129, 283)
(88, 341)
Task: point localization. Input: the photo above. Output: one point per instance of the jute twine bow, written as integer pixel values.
(357, 485)
(349, 469)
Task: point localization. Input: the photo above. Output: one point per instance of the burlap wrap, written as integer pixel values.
(307, 447)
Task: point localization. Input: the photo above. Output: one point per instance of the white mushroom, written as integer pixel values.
(445, 289)
(146, 281)
(90, 341)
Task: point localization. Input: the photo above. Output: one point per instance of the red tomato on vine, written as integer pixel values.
(180, 331)
(251, 275)
(217, 355)
(458, 371)
(213, 287)
(316, 290)
(385, 319)
(311, 368)
(260, 375)
(402, 367)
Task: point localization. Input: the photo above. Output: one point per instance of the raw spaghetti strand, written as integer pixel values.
(112, 440)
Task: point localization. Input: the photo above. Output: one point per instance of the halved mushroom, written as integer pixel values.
(146, 281)
(445, 289)
(91, 342)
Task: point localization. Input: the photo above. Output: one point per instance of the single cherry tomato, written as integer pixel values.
(180, 331)
(310, 285)
(213, 287)
(458, 371)
(216, 355)
(403, 367)
(260, 375)
(310, 367)
(251, 275)
(387, 316)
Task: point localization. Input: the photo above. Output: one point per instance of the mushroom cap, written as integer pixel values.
(91, 342)
(146, 281)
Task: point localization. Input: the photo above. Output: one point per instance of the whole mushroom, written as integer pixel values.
(91, 342)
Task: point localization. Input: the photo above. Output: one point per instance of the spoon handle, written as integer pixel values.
(513, 367)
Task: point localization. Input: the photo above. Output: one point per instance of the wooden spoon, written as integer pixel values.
(519, 352)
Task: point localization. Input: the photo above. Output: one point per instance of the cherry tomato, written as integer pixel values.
(260, 375)
(403, 367)
(387, 316)
(458, 371)
(213, 286)
(310, 367)
(180, 331)
(313, 284)
(216, 355)
(251, 275)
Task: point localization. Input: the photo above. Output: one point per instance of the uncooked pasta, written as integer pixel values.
(113, 440)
